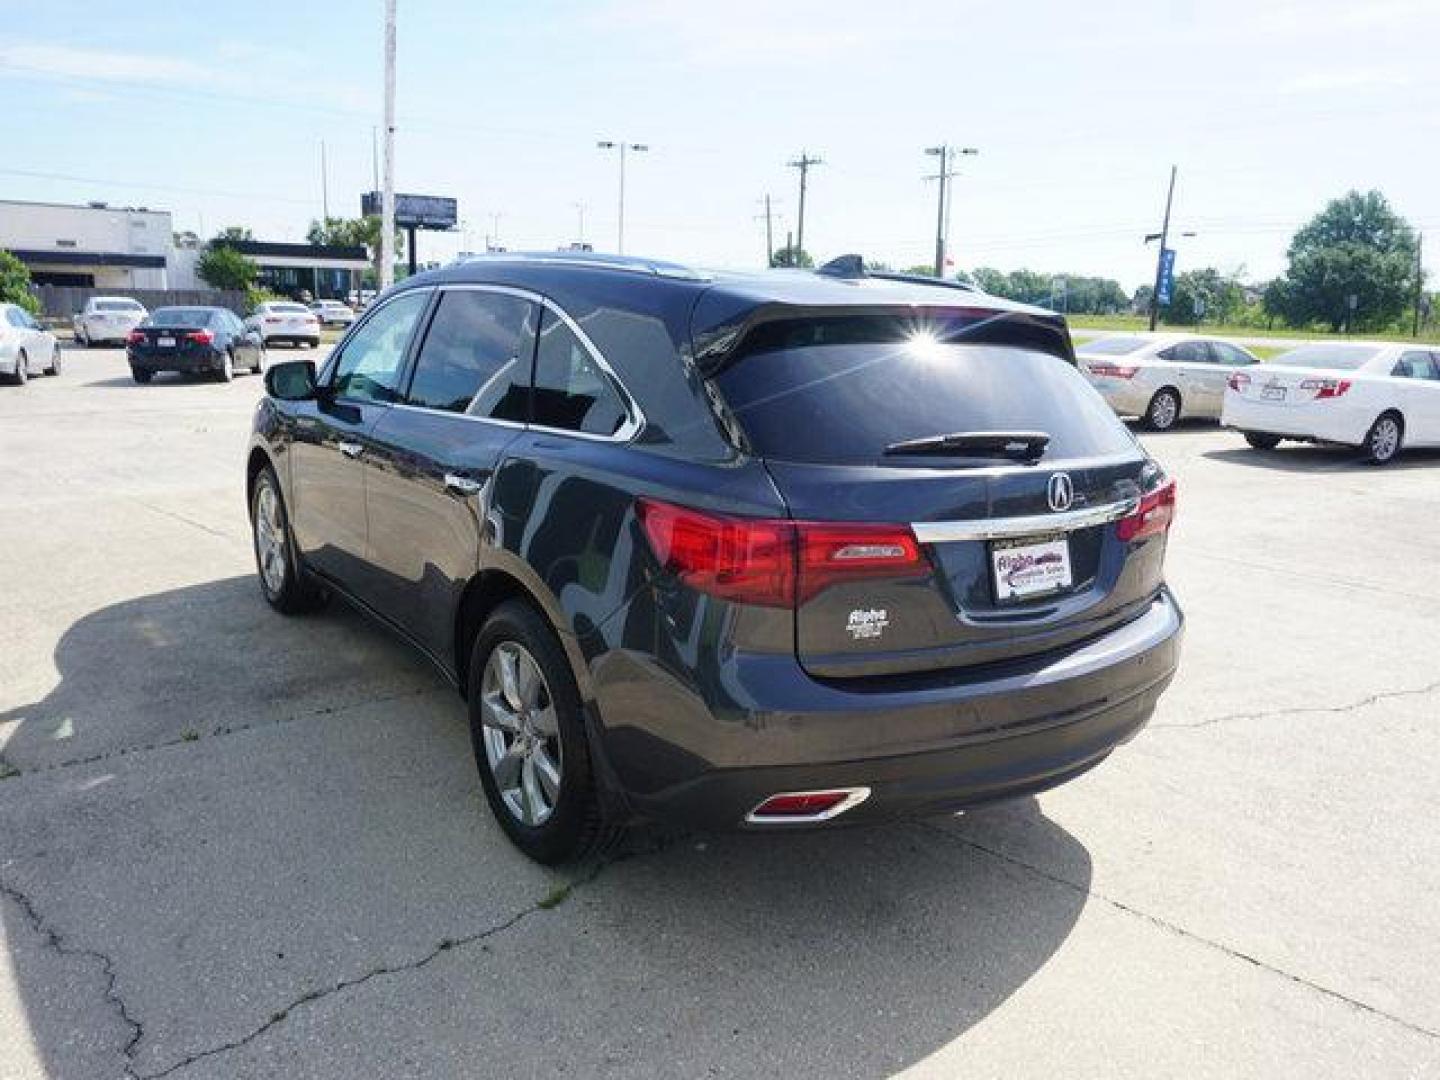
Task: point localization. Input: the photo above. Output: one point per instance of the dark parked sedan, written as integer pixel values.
(759, 551)
(195, 340)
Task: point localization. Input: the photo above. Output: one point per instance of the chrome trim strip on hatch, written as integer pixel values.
(942, 532)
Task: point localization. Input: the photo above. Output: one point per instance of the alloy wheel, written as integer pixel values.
(522, 734)
(1385, 438)
(270, 539)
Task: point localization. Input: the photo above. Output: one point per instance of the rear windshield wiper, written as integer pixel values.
(1022, 445)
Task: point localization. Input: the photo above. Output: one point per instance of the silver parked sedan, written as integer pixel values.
(1161, 377)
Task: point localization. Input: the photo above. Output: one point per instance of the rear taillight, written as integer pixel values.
(773, 562)
(1326, 388)
(1152, 517)
(135, 337)
(200, 337)
(273, 319)
(1114, 371)
(1239, 381)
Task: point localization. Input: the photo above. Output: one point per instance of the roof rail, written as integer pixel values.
(633, 263)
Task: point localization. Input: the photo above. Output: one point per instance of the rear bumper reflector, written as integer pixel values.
(806, 807)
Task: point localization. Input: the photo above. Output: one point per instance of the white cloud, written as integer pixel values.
(104, 65)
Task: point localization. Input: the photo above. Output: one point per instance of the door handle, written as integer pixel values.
(465, 485)
(351, 449)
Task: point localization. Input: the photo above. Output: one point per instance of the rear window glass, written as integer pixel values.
(290, 309)
(847, 403)
(1111, 346)
(117, 305)
(181, 316)
(1336, 357)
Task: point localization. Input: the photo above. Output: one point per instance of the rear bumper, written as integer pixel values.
(920, 751)
(1123, 395)
(1320, 421)
(193, 361)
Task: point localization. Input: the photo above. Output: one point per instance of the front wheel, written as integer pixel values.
(22, 369)
(1163, 410)
(1260, 441)
(283, 585)
(226, 372)
(1384, 440)
(54, 368)
(259, 368)
(528, 733)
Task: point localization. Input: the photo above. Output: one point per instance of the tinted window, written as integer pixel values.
(1336, 357)
(572, 393)
(15, 317)
(288, 309)
(846, 403)
(476, 356)
(117, 305)
(369, 368)
(1112, 346)
(180, 316)
(1228, 354)
(1186, 352)
(1415, 365)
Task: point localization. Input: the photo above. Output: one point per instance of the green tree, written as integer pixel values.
(1356, 247)
(791, 256)
(354, 232)
(15, 283)
(1204, 294)
(223, 267)
(921, 270)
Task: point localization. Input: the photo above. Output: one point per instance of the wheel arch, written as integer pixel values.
(486, 591)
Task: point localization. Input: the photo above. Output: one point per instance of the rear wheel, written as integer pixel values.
(1384, 440)
(226, 373)
(283, 584)
(259, 367)
(528, 733)
(22, 369)
(1163, 410)
(1261, 441)
(140, 375)
(54, 368)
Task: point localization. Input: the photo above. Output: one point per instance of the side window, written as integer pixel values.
(476, 356)
(572, 393)
(1182, 353)
(1414, 365)
(1226, 353)
(369, 368)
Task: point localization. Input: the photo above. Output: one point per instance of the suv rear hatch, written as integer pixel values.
(1023, 543)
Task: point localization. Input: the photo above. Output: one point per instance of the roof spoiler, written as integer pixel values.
(853, 266)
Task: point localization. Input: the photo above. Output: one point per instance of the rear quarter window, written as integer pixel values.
(844, 404)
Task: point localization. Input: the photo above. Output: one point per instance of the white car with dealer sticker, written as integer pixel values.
(1377, 396)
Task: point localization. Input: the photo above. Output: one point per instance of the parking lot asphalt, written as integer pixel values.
(237, 845)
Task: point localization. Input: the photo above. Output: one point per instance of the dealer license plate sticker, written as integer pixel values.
(1034, 566)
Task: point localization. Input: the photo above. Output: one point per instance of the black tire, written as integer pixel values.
(295, 591)
(140, 375)
(1163, 412)
(259, 368)
(1385, 439)
(226, 371)
(54, 368)
(576, 823)
(1261, 441)
(22, 369)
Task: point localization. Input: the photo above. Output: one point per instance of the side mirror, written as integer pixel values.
(293, 380)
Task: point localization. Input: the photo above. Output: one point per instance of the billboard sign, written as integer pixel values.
(415, 211)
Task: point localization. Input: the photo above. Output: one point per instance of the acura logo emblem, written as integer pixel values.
(1060, 491)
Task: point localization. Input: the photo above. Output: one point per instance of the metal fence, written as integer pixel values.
(59, 302)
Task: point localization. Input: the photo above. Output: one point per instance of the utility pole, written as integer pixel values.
(1160, 260)
(324, 184)
(608, 144)
(804, 163)
(942, 211)
(387, 194)
(1419, 283)
(769, 232)
(374, 158)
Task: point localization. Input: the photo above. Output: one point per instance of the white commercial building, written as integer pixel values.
(94, 246)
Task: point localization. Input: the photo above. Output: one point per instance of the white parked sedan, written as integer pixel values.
(333, 312)
(285, 320)
(26, 347)
(1161, 377)
(108, 319)
(1372, 395)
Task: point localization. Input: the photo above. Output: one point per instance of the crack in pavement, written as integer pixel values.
(546, 903)
(9, 771)
(57, 944)
(1301, 710)
(173, 515)
(1180, 931)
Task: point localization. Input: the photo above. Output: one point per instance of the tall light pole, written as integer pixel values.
(623, 147)
(942, 211)
(1164, 237)
(387, 193)
(804, 163)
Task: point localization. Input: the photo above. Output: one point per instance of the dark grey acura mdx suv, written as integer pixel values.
(758, 550)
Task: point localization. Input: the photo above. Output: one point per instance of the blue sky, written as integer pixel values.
(216, 112)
